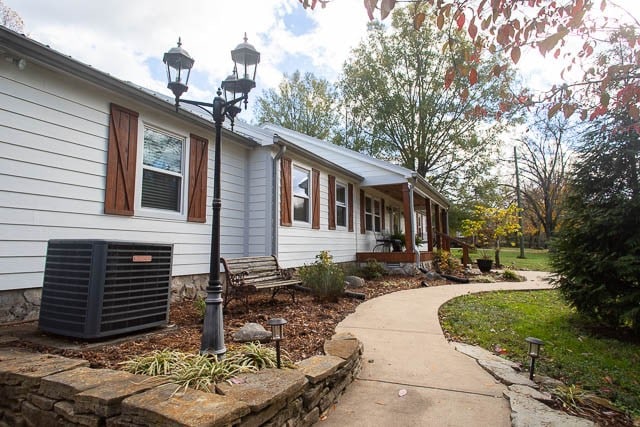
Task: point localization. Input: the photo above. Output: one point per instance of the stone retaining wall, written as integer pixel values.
(41, 389)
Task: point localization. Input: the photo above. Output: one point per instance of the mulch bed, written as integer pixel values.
(310, 323)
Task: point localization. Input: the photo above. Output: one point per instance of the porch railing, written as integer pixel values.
(443, 241)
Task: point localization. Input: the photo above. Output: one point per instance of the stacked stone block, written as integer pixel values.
(48, 390)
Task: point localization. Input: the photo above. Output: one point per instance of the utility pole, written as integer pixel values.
(515, 159)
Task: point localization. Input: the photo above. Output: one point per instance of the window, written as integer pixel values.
(154, 173)
(300, 194)
(341, 205)
(162, 170)
(372, 214)
(420, 224)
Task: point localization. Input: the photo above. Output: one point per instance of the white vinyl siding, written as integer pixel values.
(299, 244)
(53, 150)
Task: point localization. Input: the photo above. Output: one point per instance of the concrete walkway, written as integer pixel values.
(405, 351)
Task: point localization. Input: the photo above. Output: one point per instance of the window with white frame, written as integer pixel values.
(301, 178)
(341, 205)
(162, 170)
(372, 214)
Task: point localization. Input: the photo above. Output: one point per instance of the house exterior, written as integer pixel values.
(84, 155)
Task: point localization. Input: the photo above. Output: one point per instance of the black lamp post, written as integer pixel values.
(534, 352)
(237, 87)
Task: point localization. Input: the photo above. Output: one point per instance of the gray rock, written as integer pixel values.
(252, 332)
(532, 393)
(353, 282)
(527, 412)
(432, 275)
(480, 353)
(505, 373)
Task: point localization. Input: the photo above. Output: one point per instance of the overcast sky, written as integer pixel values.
(127, 38)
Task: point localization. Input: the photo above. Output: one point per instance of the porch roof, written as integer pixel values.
(375, 173)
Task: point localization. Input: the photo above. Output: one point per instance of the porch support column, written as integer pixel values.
(408, 211)
(429, 225)
(445, 229)
(438, 229)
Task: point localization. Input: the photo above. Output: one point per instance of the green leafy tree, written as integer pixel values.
(304, 103)
(404, 109)
(597, 249)
(491, 224)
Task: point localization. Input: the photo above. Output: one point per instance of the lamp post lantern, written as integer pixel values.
(534, 352)
(277, 334)
(179, 63)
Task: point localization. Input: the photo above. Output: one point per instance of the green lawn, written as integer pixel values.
(608, 367)
(535, 259)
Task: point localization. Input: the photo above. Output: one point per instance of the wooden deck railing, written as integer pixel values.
(443, 241)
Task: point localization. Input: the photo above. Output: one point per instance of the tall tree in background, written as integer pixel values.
(597, 249)
(543, 165)
(306, 104)
(406, 109)
(10, 18)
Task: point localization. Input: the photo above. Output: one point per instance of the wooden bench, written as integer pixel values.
(247, 275)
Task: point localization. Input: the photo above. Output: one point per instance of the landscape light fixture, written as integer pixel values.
(277, 334)
(236, 87)
(534, 352)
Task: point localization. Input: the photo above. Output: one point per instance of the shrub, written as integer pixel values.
(443, 262)
(373, 270)
(512, 276)
(201, 372)
(323, 277)
(200, 306)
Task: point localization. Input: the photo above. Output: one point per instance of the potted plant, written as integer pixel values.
(484, 262)
(397, 241)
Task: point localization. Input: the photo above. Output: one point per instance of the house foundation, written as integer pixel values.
(23, 305)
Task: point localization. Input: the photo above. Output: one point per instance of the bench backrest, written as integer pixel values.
(259, 269)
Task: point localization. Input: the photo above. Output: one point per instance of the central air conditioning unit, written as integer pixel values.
(98, 288)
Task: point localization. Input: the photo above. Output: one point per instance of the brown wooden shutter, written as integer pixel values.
(121, 161)
(350, 207)
(362, 224)
(198, 164)
(332, 202)
(285, 192)
(315, 203)
(382, 214)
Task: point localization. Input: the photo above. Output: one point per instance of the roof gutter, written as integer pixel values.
(274, 193)
(44, 56)
(435, 194)
(416, 251)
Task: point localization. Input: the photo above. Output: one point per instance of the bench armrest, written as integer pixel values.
(237, 279)
(286, 273)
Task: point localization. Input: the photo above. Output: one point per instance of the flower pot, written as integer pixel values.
(485, 265)
(397, 245)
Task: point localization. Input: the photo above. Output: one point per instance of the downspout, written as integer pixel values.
(274, 193)
(413, 221)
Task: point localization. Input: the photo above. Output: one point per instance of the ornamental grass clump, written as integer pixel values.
(323, 277)
(203, 371)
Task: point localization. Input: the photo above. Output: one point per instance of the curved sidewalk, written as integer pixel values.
(405, 350)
